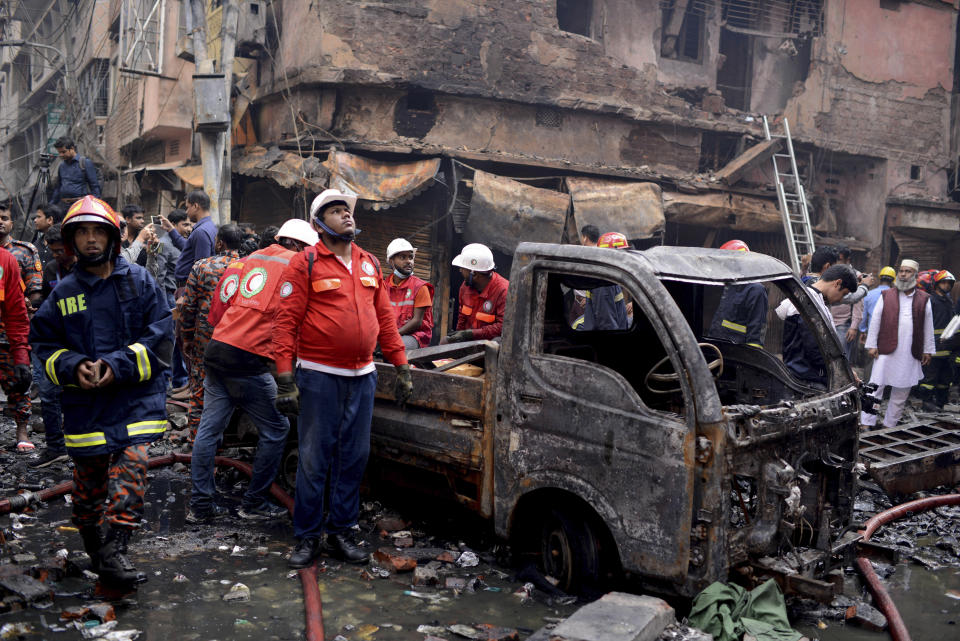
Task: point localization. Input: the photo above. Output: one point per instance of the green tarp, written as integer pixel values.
(727, 611)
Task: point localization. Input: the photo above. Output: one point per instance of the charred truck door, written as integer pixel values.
(594, 469)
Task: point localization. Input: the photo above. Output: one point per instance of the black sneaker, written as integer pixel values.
(195, 517)
(49, 458)
(304, 554)
(265, 512)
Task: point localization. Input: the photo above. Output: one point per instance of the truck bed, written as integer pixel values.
(442, 432)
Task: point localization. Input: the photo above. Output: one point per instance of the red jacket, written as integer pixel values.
(16, 323)
(332, 316)
(483, 311)
(402, 297)
(251, 298)
(225, 291)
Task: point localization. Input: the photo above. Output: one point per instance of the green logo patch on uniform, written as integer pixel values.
(254, 282)
(229, 287)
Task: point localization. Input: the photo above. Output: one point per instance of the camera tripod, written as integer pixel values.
(39, 193)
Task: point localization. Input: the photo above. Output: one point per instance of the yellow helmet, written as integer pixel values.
(888, 272)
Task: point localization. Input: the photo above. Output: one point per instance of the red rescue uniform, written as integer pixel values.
(221, 299)
(483, 311)
(404, 297)
(16, 323)
(333, 317)
(256, 288)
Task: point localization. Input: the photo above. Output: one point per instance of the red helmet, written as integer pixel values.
(925, 279)
(943, 275)
(735, 245)
(613, 240)
(89, 209)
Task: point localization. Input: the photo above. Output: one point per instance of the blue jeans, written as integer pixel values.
(334, 435)
(221, 395)
(49, 408)
(179, 370)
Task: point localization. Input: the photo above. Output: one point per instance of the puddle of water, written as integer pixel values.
(190, 568)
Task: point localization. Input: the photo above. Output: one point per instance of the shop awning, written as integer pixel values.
(634, 209)
(721, 209)
(190, 174)
(379, 184)
(285, 168)
(504, 213)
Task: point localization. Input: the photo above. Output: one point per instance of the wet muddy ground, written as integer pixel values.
(192, 568)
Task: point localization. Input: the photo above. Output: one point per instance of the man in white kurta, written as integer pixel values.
(899, 369)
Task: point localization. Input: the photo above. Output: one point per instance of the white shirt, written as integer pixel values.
(900, 369)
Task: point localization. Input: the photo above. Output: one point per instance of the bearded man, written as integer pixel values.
(900, 339)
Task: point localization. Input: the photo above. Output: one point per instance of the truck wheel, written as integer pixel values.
(288, 467)
(570, 550)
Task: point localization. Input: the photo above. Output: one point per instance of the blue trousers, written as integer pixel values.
(334, 437)
(49, 408)
(221, 395)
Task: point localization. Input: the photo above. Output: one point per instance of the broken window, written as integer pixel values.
(575, 16)
(95, 89)
(683, 30)
(141, 47)
(415, 114)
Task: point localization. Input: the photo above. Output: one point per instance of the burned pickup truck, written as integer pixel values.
(654, 450)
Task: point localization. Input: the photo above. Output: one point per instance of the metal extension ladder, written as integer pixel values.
(792, 198)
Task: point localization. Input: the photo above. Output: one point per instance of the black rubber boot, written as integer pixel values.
(92, 542)
(115, 568)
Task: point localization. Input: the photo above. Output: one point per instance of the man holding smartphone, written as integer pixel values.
(105, 334)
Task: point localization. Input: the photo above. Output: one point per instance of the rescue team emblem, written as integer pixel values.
(286, 289)
(409, 292)
(229, 287)
(367, 268)
(1, 272)
(254, 282)
(38, 266)
(487, 305)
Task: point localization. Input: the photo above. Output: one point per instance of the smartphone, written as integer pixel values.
(155, 220)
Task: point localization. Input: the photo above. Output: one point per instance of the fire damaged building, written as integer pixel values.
(497, 122)
(501, 121)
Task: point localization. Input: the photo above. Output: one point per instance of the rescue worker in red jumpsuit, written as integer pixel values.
(328, 326)
(105, 333)
(237, 365)
(482, 297)
(13, 312)
(411, 297)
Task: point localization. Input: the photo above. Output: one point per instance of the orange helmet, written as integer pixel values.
(90, 209)
(613, 240)
(925, 279)
(943, 275)
(735, 245)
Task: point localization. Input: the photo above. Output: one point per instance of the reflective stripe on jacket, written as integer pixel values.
(483, 311)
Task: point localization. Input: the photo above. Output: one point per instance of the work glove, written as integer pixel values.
(22, 378)
(404, 385)
(288, 395)
(462, 335)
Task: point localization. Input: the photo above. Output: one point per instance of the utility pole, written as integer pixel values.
(228, 32)
(208, 141)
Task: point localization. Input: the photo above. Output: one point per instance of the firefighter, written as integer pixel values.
(334, 309)
(31, 273)
(604, 307)
(15, 374)
(237, 364)
(935, 386)
(411, 297)
(482, 297)
(741, 316)
(104, 334)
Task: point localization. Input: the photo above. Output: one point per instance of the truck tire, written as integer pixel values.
(570, 550)
(288, 467)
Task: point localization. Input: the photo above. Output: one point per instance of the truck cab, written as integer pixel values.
(652, 448)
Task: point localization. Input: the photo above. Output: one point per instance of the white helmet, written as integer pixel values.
(331, 196)
(475, 257)
(299, 230)
(398, 245)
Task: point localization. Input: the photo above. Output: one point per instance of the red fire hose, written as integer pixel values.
(898, 630)
(313, 606)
